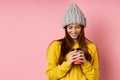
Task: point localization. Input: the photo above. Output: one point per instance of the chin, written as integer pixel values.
(74, 37)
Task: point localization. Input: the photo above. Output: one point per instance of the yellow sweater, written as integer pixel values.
(87, 71)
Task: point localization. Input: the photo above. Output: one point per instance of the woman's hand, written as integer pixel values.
(72, 57)
(81, 57)
(77, 55)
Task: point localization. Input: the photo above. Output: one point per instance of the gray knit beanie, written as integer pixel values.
(74, 15)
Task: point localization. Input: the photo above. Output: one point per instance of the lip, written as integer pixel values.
(74, 35)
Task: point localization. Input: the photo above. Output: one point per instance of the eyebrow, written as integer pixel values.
(70, 26)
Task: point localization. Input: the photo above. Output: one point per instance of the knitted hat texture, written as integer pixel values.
(74, 15)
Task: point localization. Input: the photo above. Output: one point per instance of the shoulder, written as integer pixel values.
(54, 48)
(55, 43)
(92, 46)
(92, 49)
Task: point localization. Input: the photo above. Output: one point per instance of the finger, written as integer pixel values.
(81, 55)
(76, 56)
(74, 51)
(82, 52)
(73, 54)
(76, 59)
(81, 58)
(71, 60)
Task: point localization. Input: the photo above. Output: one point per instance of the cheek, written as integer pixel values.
(79, 30)
(68, 30)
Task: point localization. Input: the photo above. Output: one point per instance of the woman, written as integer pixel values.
(74, 57)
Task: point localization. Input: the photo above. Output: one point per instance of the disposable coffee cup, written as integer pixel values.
(76, 62)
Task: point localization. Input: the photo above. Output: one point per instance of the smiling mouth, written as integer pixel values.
(74, 35)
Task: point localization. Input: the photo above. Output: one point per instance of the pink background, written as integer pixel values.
(28, 26)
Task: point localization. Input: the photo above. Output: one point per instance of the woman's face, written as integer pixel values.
(74, 30)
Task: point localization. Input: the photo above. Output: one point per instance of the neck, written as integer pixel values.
(75, 40)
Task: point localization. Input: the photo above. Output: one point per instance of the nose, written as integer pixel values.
(73, 30)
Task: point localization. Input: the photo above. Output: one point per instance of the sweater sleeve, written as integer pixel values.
(91, 69)
(53, 70)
